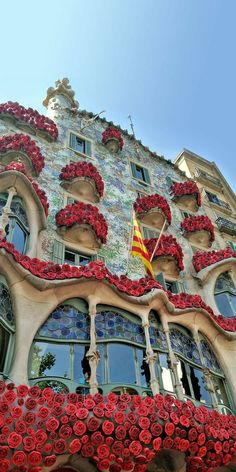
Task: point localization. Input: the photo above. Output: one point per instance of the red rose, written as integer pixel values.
(103, 451)
(120, 432)
(168, 443)
(145, 436)
(40, 436)
(144, 422)
(201, 439)
(34, 391)
(79, 428)
(135, 447)
(52, 424)
(22, 390)
(50, 460)
(87, 450)
(97, 438)
(4, 465)
(30, 418)
(14, 440)
(93, 424)
(117, 448)
(4, 450)
(169, 429)
(29, 443)
(82, 413)
(59, 446)
(18, 458)
(108, 427)
(35, 458)
(103, 464)
(70, 409)
(30, 403)
(74, 446)
(156, 429)
(9, 396)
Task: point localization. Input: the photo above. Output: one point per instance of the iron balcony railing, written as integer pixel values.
(226, 226)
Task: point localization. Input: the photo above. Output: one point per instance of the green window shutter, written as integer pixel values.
(72, 141)
(146, 175)
(232, 246)
(98, 257)
(160, 278)
(133, 168)
(88, 150)
(180, 287)
(58, 252)
(169, 181)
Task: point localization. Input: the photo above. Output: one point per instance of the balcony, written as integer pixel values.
(83, 180)
(153, 210)
(215, 200)
(208, 178)
(186, 195)
(226, 226)
(198, 230)
(168, 257)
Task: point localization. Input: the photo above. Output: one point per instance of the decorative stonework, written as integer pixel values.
(112, 139)
(168, 256)
(62, 87)
(21, 147)
(205, 259)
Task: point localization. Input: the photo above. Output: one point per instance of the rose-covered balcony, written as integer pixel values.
(198, 230)
(186, 195)
(83, 224)
(112, 139)
(153, 210)
(8, 177)
(83, 180)
(168, 257)
(28, 120)
(201, 260)
(21, 148)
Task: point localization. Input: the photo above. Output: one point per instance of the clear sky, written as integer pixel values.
(168, 63)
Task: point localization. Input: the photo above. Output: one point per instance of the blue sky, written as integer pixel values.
(168, 63)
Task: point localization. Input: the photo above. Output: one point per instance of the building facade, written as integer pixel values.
(77, 312)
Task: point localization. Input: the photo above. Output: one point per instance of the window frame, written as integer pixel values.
(83, 138)
(148, 181)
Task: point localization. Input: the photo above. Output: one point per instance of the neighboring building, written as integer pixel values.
(96, 323)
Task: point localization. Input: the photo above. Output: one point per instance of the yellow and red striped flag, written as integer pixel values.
(139, 249)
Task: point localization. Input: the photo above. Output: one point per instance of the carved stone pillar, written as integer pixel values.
(207, 374)
(92, 354)
(150, 359)
(6, 210)
(172, 361)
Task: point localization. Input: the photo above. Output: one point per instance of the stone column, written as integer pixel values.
(6, 210)
(206, 371)
(172, 360)
(92, 354)
(150, 359)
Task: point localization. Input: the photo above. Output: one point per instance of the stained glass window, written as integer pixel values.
(209, 357)
(66, 322)
(6, 312)
(183, 344)
(111, 325)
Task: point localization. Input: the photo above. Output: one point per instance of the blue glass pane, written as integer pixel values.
(6, 312)
(183, 344)
(81, 364)
(144, 371)
(50, 360)
(66, 322)
(209, 357)
(18, 238)
(121, 364)
(112, 325)
(199, 387)
(223, 304)
(101, 365)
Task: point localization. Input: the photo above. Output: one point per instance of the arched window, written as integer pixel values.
(7, 327)
(225, 295)
(17, 229)
(60, 348)
(191, 368)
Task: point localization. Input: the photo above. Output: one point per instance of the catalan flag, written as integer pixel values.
(139, 249)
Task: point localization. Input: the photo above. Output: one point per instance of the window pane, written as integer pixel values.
(139, 173)
(50, 360)
(101, 365)
(69, 258)
(18, 238)
(220, 391)
(223, 304)
(181, 369)
(165, 373)
(4, 341)
(199, 387)
(233, 302)
(80, 144)
(82, 369)
(144, 371)
(84, 260)
(121, 363)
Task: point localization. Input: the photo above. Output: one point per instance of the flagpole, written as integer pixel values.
(159, 237)
(130, 240)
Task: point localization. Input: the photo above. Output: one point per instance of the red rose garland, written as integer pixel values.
(136, 430)
(30, 116)
(83, 169)
(97, 270)
(110, 133)
(167, 246)
(82, 213)
(198, 223)
(19, 167)
(148, 202)
(22, 142)
(202, 259)
(189, 187)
